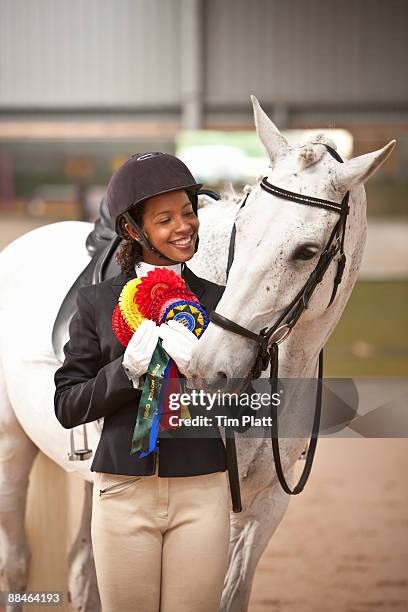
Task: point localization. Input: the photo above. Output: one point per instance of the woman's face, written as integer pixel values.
(171, 226)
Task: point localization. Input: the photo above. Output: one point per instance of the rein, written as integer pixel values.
(269, 339)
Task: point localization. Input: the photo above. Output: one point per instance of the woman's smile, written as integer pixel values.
(171, 225)
(183, 243)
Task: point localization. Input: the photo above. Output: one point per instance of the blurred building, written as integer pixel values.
(83, 83)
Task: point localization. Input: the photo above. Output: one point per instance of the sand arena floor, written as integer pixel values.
(343, 543)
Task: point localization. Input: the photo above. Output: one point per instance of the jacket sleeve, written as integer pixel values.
(85, 391)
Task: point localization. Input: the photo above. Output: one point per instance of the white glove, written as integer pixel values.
(178, 342)
(140, 349)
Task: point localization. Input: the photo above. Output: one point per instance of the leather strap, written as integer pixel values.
(215, 317)
(298, 197)
(275, 433)
(231, 248)
(232, 465)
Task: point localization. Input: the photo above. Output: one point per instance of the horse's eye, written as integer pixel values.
(304, 253)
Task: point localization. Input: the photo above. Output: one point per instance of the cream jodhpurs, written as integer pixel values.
(160, 544)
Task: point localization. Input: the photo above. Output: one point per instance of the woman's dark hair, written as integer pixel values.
(130, 251)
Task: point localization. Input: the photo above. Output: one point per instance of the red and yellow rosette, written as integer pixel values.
(127, 317)
(161, 295)
(154, 285)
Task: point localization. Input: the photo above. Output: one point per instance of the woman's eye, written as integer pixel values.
(187, 213)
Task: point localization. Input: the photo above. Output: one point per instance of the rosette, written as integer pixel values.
(126, 316)
(168, 297)
(128, 304)
(120, 327)
(189, 314)
(153, 285)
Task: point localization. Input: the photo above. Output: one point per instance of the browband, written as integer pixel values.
(302, 199)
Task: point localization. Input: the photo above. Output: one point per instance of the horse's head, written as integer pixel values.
(278, 243)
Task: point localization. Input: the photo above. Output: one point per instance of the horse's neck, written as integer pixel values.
(216, 221)
(298, 354)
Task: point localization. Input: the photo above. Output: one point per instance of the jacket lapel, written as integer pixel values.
(119, 281)
(193, 282)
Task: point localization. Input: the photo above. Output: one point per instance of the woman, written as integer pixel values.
(160, 524)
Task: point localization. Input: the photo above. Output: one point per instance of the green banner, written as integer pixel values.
(149, 402)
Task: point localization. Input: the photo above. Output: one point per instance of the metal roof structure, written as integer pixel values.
(139, 66)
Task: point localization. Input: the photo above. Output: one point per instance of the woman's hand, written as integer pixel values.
(140, 349)
(178, 342)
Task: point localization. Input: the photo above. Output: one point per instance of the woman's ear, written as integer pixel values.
(132, 232)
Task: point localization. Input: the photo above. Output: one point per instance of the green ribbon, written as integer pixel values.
(149, 402)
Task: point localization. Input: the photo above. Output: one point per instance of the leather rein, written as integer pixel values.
(269, 339)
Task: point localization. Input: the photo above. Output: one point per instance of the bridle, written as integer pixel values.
(269, 339)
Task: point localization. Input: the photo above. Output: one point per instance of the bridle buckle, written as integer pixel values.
(279, 335)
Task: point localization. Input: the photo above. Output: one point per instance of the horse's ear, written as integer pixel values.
(359, 169)
(273, 141)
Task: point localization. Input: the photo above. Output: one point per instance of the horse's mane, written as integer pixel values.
(230, 197)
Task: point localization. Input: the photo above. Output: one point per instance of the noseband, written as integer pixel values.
(269, 339)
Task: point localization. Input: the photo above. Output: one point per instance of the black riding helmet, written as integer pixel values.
(144, 176)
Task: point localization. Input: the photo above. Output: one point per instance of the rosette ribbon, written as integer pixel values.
(160, 296)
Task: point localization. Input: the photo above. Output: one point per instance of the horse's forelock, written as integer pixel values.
(323, 139)
(313, 150)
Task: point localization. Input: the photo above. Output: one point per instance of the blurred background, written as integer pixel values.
(86, 83)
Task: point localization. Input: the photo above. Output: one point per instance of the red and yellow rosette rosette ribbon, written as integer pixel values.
(127, 317)
(160, 296)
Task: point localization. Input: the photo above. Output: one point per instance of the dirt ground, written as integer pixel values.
(343, 543)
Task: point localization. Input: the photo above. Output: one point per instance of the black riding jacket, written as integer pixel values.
(92, 384)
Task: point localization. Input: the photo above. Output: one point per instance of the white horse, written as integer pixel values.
(277, 246)
(35, 273)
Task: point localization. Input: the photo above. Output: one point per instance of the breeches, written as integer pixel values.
(160, 544)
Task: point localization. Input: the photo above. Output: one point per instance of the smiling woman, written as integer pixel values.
(171, 226)
(160, 227)
(155, 512)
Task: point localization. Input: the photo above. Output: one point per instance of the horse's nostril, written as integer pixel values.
(221, 375)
